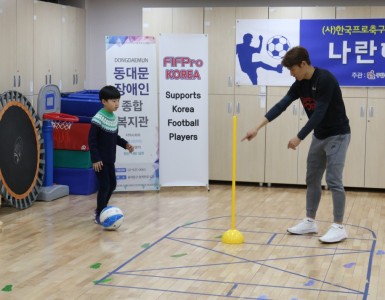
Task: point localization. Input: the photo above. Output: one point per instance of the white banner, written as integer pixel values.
(183, 107)
(131, 67)
(260, 47)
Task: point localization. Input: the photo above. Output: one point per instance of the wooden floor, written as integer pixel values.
(169, 247)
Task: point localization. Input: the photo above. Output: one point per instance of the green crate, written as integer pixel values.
(72, 159)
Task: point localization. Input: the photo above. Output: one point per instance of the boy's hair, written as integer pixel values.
(109, 92)
(295, 56)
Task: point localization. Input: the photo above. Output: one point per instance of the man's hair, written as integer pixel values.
(109, 92)
(295, 56)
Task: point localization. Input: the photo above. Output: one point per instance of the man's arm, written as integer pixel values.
(253, 132)
(273, 113)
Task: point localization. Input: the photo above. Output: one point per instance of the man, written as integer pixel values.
(321, 97)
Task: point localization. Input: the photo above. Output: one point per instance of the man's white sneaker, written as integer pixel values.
(305, 226)
(335, 234)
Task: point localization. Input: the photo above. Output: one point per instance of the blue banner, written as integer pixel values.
(352, 49)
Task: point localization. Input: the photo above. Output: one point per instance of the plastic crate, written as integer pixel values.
(72, 159)
(79, 181)
(75, 138)
(84, 104)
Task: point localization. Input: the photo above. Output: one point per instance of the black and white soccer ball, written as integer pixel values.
(277, 46)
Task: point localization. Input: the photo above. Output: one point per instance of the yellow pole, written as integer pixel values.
(233, 236)
(234, 172)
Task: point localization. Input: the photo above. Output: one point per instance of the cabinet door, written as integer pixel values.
(156, 21)
(73, 45)
(220, 26)
(250, 158)
(47, 44)
(355, 163)
(80, 69)
(220, 137)
(354, 171)
(281, 162)
(250, 154)
(8, 48)
(24, 67)
(375, 144)
(187, 20)
(303, 148)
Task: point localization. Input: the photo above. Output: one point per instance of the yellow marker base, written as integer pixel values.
(233, 236)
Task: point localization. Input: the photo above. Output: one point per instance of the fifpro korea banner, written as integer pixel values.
(183, 109)
(132, 69)
(352, 49)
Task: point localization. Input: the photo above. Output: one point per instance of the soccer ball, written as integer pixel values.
(111, 217)
(277, 46)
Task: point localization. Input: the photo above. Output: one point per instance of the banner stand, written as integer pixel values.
(183, 109)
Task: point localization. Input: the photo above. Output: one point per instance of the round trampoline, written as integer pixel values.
(21, 150)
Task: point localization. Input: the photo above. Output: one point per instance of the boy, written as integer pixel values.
(102, 139)
(321, 98)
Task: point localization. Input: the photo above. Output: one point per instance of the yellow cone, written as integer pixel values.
(233, 236)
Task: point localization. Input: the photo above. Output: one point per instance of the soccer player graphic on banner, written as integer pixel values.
(245, 55)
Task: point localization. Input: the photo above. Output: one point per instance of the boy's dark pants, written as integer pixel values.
(107, 184)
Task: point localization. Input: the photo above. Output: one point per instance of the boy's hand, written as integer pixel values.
(130, 148)
(97, 166)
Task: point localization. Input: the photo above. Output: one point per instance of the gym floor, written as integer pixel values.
(169, 246)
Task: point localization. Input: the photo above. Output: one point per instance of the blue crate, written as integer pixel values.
(79, 181)
(84, 104)
(92, 94)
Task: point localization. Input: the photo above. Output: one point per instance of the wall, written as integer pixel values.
(124, 17)
(113, 17)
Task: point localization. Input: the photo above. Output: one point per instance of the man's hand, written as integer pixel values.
(250, 135)
(293, 143)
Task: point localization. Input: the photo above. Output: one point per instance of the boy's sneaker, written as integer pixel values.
(97, 220)
(335, 234)
(305, 226)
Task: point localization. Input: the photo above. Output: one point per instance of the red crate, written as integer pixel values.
(74, 138)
